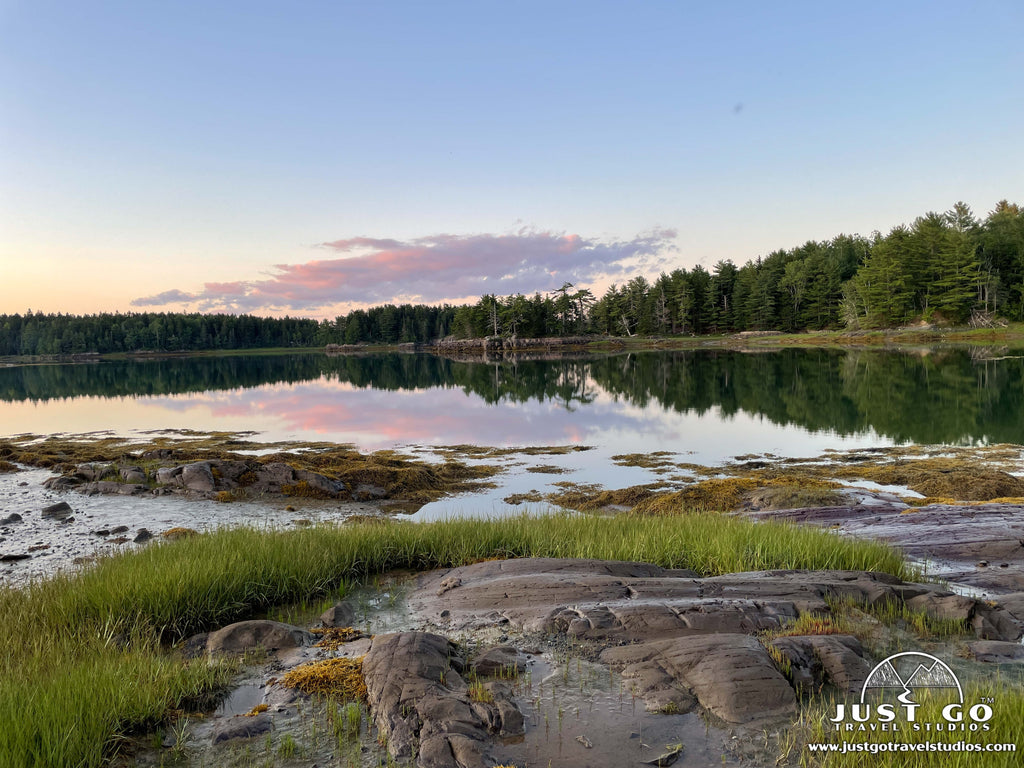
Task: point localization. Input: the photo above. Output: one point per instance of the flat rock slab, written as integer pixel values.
(418, 696)
(731, 675)
(624, 602)
(997, 652)
(978, 545)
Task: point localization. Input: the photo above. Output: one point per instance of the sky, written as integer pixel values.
(306, 158)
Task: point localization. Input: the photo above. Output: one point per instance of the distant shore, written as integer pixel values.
(1009, 335)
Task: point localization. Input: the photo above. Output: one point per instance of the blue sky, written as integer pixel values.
(206, 153)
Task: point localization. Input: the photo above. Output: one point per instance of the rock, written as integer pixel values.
(227, 473)
(101, 532)
(59, 510)
(119, 529)
(14, 558)
(271, 476)
(62, 483)
(159, 454)
(501, 661)
(666, 758)
(731, 675)
(242, 727)
(198, 477)
(12, 518)
(625, 602)
(169, 475)
(988, 622)
(195, 646)
(818, 660)
(93, 470)
(319, 483)
(996, 652)
(134, 475)
(143, 535)
(339, 615)
(368, 492)
(415, 692)
(113, 487)
(269, 635)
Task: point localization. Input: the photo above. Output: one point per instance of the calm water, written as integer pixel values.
(707, 405)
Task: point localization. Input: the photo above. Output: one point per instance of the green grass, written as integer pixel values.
(80, 660)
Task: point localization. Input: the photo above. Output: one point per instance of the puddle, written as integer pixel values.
(579, 713)
(241, 700)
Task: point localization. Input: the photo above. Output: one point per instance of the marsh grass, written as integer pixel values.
(83, 657)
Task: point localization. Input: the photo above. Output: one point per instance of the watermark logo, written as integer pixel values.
(894, 691)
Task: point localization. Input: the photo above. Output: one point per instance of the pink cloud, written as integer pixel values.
(431, 269)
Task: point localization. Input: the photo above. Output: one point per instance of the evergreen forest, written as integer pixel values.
(947, 268)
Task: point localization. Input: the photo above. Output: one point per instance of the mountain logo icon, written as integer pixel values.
(908, 671)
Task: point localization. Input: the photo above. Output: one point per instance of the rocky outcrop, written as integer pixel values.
(418, 696)
(981, 545)
(599, 600)
(683, 640)
(205, 479)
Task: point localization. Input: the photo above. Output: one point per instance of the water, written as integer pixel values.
(703, 406)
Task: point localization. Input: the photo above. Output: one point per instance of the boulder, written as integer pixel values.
(339, 615)
(198, 477)
(271, 476)
(93, 470)
(269, 635)
(500, 661)
(133, 474)
(319, 483)
(169, 475)
(58, 511)
(62, 483)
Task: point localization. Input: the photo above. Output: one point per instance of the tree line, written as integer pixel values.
(944, 267)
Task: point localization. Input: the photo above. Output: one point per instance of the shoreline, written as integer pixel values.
(1011, 335)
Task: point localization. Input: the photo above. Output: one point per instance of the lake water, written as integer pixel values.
(708, 406)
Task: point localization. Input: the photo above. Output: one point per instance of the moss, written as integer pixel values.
(247, 478)
(589, 498)
(794, 497)
(330, 678)
(304, 490)
(332, 638)
(173, 534)
(6, 466)
(657, 461)
(547, 469)
(534, 497)
(257, 709)
(224, 496)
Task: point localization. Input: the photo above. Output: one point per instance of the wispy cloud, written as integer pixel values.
(430, 269)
